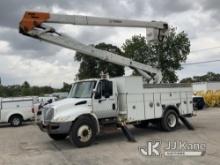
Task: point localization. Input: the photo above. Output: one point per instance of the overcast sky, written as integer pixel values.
(23, 58)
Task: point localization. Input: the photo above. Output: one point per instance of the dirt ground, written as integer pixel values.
(28, 145)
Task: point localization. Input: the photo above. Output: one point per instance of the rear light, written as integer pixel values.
(32, 110)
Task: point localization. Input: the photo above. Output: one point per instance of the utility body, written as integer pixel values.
(96, 103)
(16, 110)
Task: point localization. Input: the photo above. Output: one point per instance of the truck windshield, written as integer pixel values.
(82, 89)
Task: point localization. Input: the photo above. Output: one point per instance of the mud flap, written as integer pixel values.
(186, 123)
(127, 133)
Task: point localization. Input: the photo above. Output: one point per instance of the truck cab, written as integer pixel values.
(95, 99)
(97, 96)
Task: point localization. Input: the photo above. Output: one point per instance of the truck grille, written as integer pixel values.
(47, 114)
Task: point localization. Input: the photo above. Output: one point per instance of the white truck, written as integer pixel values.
(96, 103)
(16, 110)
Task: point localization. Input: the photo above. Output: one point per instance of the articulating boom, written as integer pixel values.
(33, 25)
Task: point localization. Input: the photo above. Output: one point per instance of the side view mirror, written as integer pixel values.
(96, 94)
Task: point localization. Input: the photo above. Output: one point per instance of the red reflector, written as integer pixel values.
(32, 110)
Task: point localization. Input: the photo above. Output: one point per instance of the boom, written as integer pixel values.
(33, 25)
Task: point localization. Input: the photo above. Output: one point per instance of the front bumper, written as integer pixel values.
(55, 128)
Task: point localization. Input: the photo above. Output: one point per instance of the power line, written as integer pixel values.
(201, 62)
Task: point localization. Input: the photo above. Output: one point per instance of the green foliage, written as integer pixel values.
(166, 55)
(187, 80)
(26, 90)
(66, 87)
(210, 76)
(92, 68)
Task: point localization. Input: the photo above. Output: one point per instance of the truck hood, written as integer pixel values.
(70, 102)
(70, 108)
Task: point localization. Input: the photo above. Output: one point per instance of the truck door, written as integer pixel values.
(104, 100)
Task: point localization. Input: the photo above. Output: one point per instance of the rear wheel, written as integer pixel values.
(83, 132)
(169, 121)
(58, 136)
(15, 120)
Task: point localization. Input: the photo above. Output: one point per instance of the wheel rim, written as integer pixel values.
(16, 121)
(84, 133)
(171, 120)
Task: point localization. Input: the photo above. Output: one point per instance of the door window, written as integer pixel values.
(105, 89)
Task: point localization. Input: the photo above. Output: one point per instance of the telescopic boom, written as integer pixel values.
(34, 25)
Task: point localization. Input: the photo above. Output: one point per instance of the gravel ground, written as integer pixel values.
(28, 145)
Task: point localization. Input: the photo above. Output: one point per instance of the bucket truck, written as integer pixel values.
(94, 104)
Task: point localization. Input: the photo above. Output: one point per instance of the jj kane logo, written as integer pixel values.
(172, 148)
(152, 148)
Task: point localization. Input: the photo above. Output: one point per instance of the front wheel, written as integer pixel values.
(83, 132)
(169, 121)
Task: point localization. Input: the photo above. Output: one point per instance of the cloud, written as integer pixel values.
(213, 5)
(15, 70)
(24, 58)
(164, 8)
(19, 43)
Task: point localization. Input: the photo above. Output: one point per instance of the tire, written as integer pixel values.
(58, 137)
(142, 124)
(169, 121)
(200, 105)
(83, 132)
(15, 120)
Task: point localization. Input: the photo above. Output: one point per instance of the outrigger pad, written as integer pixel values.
(127, 133)
(186, 123)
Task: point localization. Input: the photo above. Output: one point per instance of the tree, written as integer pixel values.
(166, 55)
(25, 89)
(210, 76)
(47, 89)
(66, 87)
(35, 91)
(187, 80)
(91, 67)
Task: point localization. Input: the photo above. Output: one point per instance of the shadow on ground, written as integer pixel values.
(113, 137)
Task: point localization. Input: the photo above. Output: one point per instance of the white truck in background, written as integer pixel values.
(45, 99)
(96, 103)
(16, 110)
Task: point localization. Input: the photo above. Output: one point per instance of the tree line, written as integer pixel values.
(27, 90)
(210, 76)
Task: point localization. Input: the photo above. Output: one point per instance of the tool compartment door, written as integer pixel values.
(149, 105)
(189, 102)
(157, 105)
(135, 104)
(183, 105)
